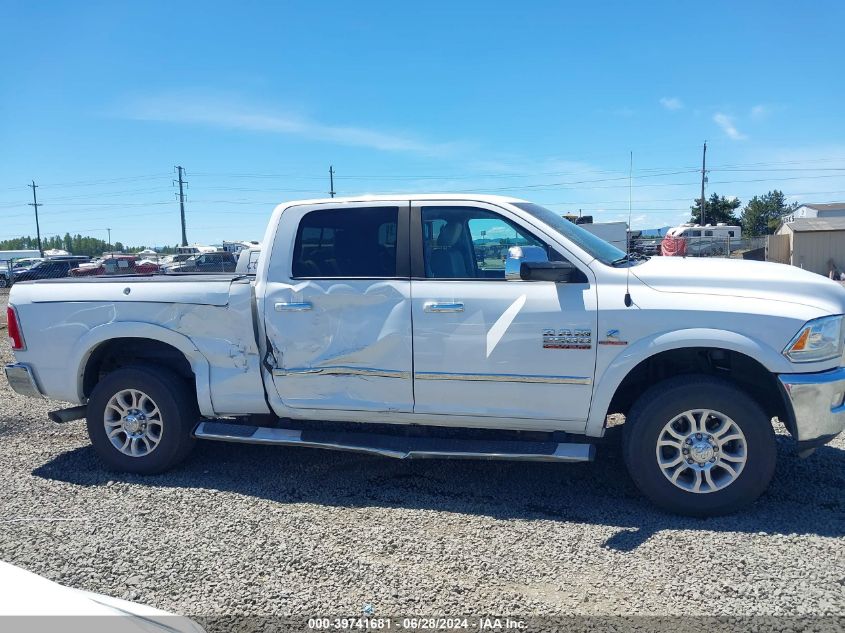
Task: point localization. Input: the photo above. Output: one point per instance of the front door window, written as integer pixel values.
(469, 242)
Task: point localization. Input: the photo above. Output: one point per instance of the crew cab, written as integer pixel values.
(443, 326)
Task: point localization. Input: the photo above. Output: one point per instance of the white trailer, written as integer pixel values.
(7, 256)
(615, 233)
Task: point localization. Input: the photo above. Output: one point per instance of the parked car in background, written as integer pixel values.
(11, 260)
(51, 268)
(248, 260)
(120, 265)
(26, 262)
(645, 245)
(176, 260)
(216, 262)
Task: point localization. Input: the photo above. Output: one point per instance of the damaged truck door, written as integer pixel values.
(337, 312)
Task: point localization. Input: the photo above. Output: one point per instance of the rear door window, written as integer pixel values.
(344, 243)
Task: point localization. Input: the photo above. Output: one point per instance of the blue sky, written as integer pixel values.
(543, 100)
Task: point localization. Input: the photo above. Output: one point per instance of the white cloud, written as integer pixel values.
(727, 124)
(671, 103)
(759, 111)
(226, 113)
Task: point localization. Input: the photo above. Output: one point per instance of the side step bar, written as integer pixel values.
(399, 447)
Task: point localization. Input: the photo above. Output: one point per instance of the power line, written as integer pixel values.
(90, 183)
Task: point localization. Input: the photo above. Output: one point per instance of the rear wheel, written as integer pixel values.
(697, 445)
(140, 419)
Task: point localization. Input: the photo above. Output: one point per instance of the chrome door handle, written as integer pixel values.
(434, 306)
(293, 306)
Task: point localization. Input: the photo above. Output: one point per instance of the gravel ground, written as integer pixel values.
(272, 531)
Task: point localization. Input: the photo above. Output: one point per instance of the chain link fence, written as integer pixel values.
(740, 248)
(112, 264)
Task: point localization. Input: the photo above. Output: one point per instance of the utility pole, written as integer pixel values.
(34, 204)
(109, 230)
(703, 180)
(331, 181)
(181, 196)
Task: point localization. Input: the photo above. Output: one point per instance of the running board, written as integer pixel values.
(399, 447)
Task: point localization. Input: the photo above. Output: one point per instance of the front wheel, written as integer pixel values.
(140, 419)
(697, 445)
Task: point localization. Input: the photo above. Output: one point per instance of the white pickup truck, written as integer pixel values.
(448, 326)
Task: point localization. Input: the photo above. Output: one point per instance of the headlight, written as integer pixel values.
(818, 340)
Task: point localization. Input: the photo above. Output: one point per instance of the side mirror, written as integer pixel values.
(518, 255)
(562, 272)
(530, 263)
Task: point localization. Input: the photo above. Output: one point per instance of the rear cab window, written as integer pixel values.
(358, 242)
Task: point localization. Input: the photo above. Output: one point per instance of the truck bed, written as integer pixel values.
(209, 318)
(154, 278)
(195, 289)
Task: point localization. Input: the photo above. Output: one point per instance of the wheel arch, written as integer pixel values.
(728, 349)
(157, 343)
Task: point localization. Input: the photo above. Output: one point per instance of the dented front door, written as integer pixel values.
(337, 311)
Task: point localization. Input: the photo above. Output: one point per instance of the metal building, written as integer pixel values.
(814, 244)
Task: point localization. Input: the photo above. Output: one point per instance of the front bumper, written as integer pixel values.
(22, 381)
(818, 405)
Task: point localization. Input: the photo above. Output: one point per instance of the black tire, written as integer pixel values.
(659, 405)
(179, 413)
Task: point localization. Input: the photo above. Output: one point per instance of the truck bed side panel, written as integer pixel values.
(218, 339)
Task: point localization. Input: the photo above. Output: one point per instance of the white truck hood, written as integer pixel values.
(741, 278)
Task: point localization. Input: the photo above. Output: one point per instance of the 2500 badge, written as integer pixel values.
(577, 338)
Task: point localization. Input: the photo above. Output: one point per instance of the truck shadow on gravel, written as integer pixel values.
(806, 496)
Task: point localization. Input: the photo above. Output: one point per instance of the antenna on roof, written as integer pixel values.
(628, 301)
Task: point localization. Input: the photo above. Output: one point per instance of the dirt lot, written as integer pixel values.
(270, 531)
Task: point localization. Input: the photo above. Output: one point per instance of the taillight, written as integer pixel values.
(14, 329)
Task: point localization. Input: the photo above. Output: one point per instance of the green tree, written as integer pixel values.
(762, 215)
(718, 209)
(76, 244)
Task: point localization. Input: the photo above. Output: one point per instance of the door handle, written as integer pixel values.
(293, 306)
(434, 306)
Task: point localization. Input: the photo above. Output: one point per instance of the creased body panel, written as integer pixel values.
(217, 340)
(341, 344)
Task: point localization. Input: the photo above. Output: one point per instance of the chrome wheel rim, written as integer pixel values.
(133, 423)
(701, 451)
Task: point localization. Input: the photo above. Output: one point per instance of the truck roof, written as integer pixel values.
(470, 197)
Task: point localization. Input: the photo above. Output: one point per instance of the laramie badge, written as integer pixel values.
(577, 338)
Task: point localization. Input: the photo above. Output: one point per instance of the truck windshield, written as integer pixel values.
(595, 246)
